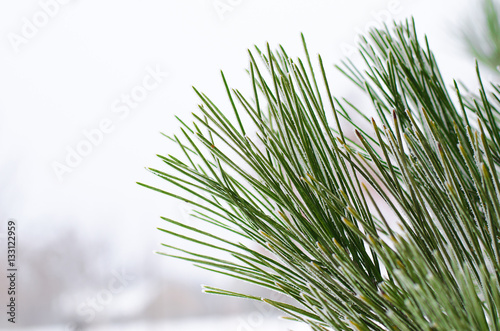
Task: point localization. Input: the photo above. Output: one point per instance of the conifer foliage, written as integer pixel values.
(279, 172)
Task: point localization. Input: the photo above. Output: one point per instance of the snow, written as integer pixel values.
(231, 323)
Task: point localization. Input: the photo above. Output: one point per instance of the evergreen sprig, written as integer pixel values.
(306, 201)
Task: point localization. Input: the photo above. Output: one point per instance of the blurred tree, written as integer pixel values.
(482, 35)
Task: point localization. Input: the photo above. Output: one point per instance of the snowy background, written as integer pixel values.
(104, 78)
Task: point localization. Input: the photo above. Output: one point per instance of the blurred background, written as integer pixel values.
(86, 87)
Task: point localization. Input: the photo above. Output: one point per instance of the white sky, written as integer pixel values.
(67, 77)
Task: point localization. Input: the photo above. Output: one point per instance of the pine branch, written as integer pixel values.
(305, 201)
